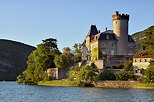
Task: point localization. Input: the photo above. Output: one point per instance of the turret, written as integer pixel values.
(120, 29)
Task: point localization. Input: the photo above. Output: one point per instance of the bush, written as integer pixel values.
(124, 75)
(128, 66)
(106, 75)
(117, 67)
(87, 74)
(149, 74)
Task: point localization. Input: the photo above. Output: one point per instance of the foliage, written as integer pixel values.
(145, 85)
(148, 42)
(64, 60)
(117, 67)
(50, 43)
(73, 72)
(139, 37)
(149, 73)
(106, 75)
(66, 50)
(94, 54)
(38, 62)
(124, 75)
(87, 74)
(128, 66)
(77, 53)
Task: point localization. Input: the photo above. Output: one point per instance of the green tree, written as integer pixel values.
(87, 74)
(77, 53)
(148, 42)
(66, 50)
(128, 66)
(106, 75)
(149, 73)
(50, 43)
(64, 60)
(38, 62)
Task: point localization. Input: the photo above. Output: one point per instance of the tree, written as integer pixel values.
(64, 60)
(77, 52)
(50, 43)
(106, 75)
(87, 74)
(38, 62)
(148, 42)
(128, 66)
(66, 50)
(149, 73)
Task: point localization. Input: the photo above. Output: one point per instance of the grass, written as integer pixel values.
(144, 85)
(59, 83)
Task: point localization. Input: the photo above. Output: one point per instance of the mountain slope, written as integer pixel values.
(13, 57)
(139, 37)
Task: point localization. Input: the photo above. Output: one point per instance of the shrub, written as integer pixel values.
(124, 75)
(106, 75)
(149, 74)
(128, 66)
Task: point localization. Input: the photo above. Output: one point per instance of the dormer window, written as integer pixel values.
(107, 36)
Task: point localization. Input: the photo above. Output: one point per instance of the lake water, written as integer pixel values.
(13, 92)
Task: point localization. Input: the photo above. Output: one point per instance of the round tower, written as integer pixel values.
(120, 29)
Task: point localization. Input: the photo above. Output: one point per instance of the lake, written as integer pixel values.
(13, 92)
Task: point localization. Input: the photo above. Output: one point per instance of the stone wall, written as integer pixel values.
(97, 63)
(57, 73)
(116, 84)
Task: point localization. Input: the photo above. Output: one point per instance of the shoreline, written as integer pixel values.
(135, 87)
(105, 84)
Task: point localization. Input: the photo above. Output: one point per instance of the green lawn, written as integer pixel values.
(59, 83)
(144, 85)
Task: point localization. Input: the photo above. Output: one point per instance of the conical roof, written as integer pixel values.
(93, 30)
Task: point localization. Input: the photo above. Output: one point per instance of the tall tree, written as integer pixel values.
(77, 52)
(38, 62)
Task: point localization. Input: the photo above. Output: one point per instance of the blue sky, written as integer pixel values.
(31, 21)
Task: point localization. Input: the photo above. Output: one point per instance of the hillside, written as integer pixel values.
(13, 57)
(139, 37)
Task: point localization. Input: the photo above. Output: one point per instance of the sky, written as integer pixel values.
(68, 21)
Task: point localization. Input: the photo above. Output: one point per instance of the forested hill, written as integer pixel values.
(13, 57)
(139, 37)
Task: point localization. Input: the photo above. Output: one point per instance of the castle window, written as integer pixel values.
(103, 45)
(131, 46)
(135, 60)
(112, 45)
(107, 36)
(96, 37)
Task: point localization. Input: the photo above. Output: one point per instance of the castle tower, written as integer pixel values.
(120, 29)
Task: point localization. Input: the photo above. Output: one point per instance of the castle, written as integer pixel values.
(98, 44)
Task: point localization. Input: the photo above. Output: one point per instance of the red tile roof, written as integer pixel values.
(144, 54)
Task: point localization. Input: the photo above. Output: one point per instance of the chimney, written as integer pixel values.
(106, 29)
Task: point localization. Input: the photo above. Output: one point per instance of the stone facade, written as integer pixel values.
(57, 73)
(109, 42)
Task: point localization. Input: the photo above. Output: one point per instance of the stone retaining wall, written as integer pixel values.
(116, 84)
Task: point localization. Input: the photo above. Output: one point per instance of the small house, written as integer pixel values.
(142, 59)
